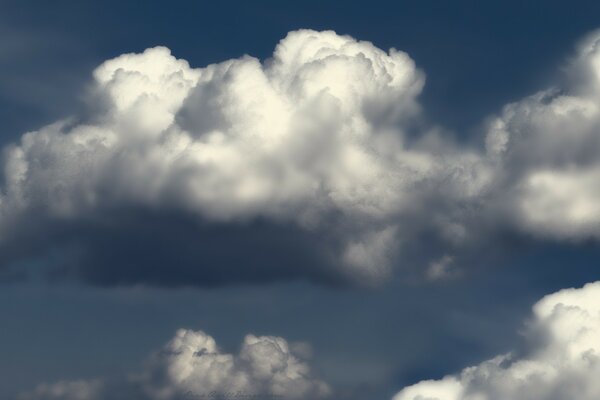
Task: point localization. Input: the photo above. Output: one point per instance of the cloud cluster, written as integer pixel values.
(560, 360)
(562, 363)
(180, 175)
(191, 366)
(314, 140)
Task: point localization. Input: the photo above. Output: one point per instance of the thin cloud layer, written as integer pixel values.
(205, 176)
(192, 366)
(562, 363)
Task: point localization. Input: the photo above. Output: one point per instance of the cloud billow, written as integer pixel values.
(314, 164)
(563, 361)
(191, 365)
(547, 147)
(309, 146)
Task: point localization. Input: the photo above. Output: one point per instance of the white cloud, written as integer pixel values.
(192, 366)
(564, 362)
(563, 202)
(313, 137)
(547, 148)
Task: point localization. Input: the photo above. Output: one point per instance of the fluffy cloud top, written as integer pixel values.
(302, 133)
(564, 362)
(313, 138)
(192, 366)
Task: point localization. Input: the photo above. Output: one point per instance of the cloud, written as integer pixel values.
(311, 144)
(546, 147)
(314, 164)
(66, 390)
(192, 366)
(559, 359)
(563, 361)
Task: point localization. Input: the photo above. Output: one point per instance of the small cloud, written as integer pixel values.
(442, 268)
(192, 366)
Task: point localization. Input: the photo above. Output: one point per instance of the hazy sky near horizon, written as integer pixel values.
(376, 217)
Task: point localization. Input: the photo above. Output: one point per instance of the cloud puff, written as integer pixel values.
(312, 144)
(192, 366)
(546, 147)
(563, 362)
(234, 139)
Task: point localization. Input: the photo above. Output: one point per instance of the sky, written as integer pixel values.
(299, 200)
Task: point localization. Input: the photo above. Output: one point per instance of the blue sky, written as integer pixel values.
(94, 296)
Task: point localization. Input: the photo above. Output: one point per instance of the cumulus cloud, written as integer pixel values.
(192, 366)
(546, 149)
(312, 164)
(562, 363)
(560, 360)
(311, 144)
